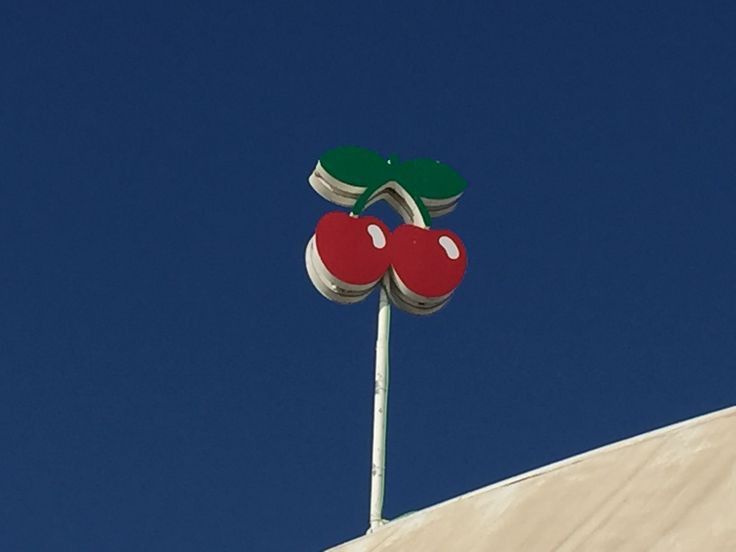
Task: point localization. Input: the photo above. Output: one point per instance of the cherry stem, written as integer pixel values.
(415, 203)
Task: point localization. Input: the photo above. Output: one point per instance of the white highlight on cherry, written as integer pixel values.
(376, 234)
(450, 247)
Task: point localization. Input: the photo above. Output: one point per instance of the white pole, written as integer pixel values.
(380, 403)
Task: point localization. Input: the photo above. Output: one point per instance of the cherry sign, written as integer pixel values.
(351, 253)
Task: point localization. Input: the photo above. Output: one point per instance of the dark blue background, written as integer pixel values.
(169, 379)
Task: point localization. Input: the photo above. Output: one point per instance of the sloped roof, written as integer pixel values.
(670, 490)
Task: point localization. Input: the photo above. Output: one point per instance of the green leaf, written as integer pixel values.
(430, 179)
(356, 166)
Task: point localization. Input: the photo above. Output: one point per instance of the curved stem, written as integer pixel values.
(410, 207)
(362, 201)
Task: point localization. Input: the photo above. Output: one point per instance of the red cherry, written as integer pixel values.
(354, 250)
(430, 263)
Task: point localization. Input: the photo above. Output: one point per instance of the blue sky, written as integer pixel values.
(170, 380)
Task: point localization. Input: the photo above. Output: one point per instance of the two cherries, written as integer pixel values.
(349, 255)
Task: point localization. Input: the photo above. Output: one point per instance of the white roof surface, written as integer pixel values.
(670, 490)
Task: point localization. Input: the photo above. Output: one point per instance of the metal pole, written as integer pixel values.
(380, 403)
